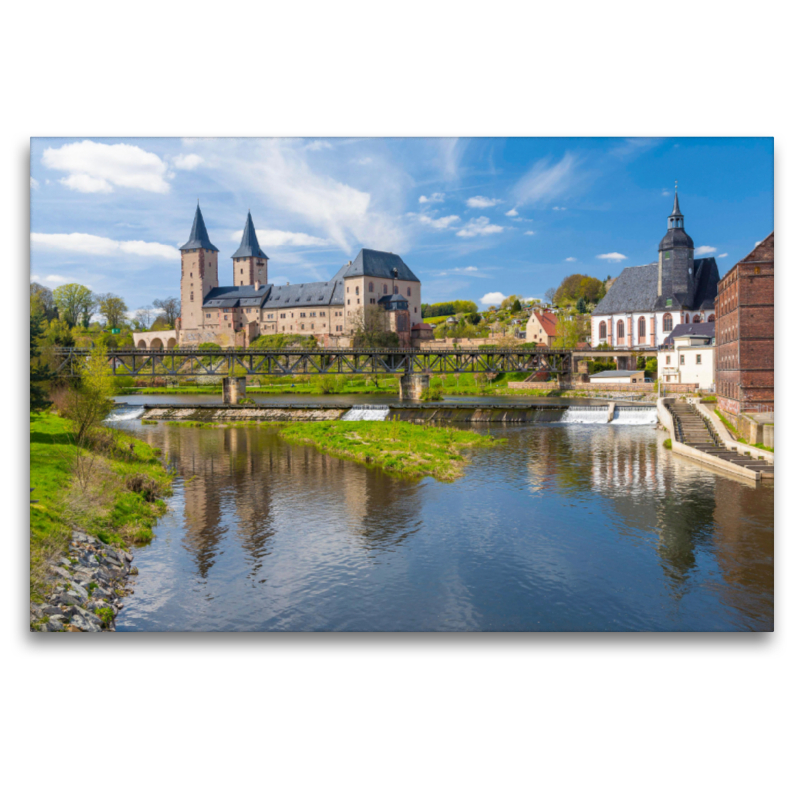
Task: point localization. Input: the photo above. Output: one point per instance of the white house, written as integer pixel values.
(687, 356)
(645, 303)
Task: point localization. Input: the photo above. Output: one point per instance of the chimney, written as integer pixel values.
(257, 284)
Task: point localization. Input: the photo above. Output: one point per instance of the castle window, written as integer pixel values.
(356, 289)
(666, 323)
(370, 287)
(408, 291)
(384, 288)
(191, 296)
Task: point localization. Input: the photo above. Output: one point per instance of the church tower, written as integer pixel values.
(676, 258)
(249, 261)
(198, 273)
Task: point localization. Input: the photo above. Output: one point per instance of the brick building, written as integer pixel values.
(745, 311)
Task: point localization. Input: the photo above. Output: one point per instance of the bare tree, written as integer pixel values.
(549, 295)
(170, 308)
(371, 328)
(143, 319)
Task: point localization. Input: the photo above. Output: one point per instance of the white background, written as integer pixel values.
(639, 716)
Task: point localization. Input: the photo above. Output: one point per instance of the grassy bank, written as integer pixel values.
(117, 499)
(732, 428)
(299, 385)
(401, 448)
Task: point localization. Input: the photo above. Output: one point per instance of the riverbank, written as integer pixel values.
(86, 503)
(400, 448)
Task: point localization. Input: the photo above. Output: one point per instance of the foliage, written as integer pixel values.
(42, 299)
(402, 448)
(371, 328)
(570, 331)
(668, 444)
(113, 308)
(578, 286)
(581, 305)
(448, 309)
(278, 341)
(90, 400)
(39, 372)
(75, 304)
(433, 394)
(170, 309)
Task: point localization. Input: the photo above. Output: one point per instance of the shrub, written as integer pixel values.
(433, 394)
(143, 485)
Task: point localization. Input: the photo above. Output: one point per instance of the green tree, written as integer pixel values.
(581, 305)
(113, 308)
(39, 372)
(89, 402)
(570, 331)
(170, 309)
(75, 304)
(44, 298)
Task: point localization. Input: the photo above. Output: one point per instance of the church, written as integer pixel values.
(645, 303)
(376, 289)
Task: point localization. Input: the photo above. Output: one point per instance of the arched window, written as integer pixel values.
(603, 332)
(667, 323)
(642, 328)
(697, 318)
(620, 331)
(712, 317)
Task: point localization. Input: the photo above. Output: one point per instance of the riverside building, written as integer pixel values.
(374, 286)
(645, 303)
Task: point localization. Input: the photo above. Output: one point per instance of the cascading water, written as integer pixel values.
(585, 415)
(635, 415)
(366, 413)
(125, 413)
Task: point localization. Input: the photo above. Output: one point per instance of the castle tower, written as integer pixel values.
(198, 273)
(249, 261)
(676, 257)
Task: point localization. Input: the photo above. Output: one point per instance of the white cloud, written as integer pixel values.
(34, 183)
(190, 161)
(479, 227)
(570, 258)
(704, 250)
(472, 272)
(364, 161)
(613, 257)
(95, 167)
(101, 246)
(273, 238)
(559, 208)
(512, 213)
(436, 222)
(666, 193)
(319, 144)
(543, 182)
(436, 197)
(482, 202)
(722, 255)
(492, 298)
(529, 233)
(51, 281)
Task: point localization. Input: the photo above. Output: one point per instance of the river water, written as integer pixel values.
(566, 527)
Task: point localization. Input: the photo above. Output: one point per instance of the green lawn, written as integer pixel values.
(402, 448)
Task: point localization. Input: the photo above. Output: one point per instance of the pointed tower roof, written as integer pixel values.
(198, 238)
(676, 209)
(249, 245)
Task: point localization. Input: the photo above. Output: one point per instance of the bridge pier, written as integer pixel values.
(233, 390)
(413, 385)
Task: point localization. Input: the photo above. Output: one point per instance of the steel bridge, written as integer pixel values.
(180, 363)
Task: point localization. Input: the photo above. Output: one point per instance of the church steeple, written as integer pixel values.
(676, 218)
(676, 258)
(198, 238)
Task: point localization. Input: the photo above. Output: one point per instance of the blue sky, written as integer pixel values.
(474, 218)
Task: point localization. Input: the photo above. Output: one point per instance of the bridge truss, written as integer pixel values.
(187, 363)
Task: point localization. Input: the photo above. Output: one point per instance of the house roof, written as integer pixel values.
(548, 321)
(422, 326)
(701, 330)
(249, 245)
(319, 293)
(198, 238)
(236, 296)
(377, 264)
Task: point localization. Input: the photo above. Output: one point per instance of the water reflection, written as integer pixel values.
(564, 528)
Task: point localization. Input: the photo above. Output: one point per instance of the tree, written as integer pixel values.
(89, 402)
(75, 304)
(371, 328)
(44, 298)
(39, 371)
(570, 331)
(576, 286)
(581, 305)
(516, 307)
(550, 295)
(170, 308)
(113, 308)
(143, 319)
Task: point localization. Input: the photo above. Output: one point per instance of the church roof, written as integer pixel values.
(377, 264)
(676, 237)
(249, 245)
(198, 238)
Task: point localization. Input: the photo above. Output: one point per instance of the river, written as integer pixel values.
(566, 527)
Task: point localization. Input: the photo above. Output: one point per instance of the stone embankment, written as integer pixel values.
(241, 413)
(88, 589)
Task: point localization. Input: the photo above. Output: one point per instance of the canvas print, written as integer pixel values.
(418, 384)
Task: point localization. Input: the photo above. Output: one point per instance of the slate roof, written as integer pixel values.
(616, 373)
(636, 289)
(703, 330)
(676, 237)
(320, 293)
(377, 264)
(236, 296)
(198, 238)
(249, 245)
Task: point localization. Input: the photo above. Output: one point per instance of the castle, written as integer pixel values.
(375, 291)
(645, 303)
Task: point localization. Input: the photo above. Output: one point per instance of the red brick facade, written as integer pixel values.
(745, 311)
